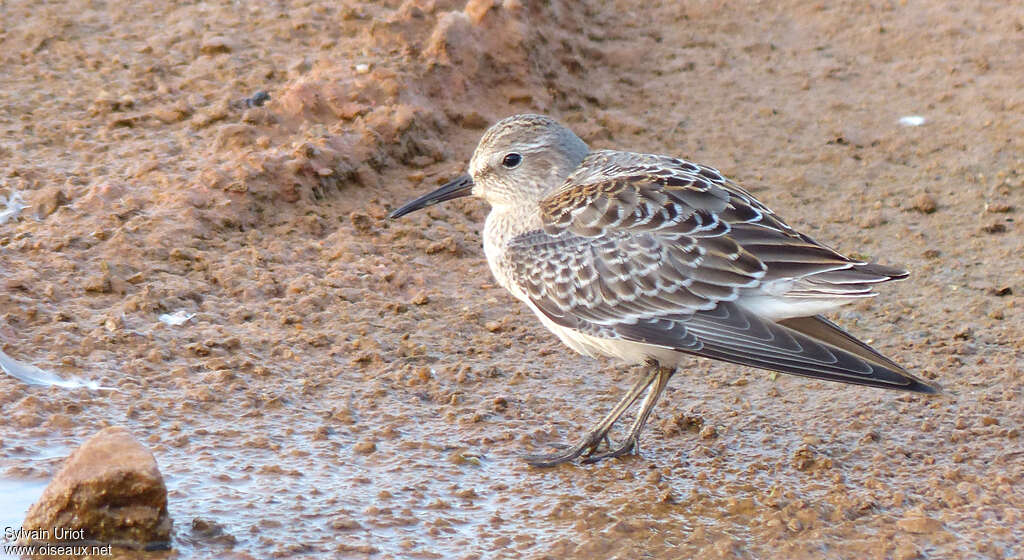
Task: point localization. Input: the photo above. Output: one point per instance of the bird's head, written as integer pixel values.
(519, 160)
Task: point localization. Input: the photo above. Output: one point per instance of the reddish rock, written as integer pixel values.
(924, 203)
(109, 490)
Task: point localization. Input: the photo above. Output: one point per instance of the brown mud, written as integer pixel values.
(349, 386)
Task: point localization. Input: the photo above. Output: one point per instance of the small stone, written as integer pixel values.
(994, 228)
(918, 523)
(924, 203)
(1000, 292)
(447, 244)
(708, 432)
(472, 120)
(364, 447)
(998, 208)
(211, 531)
(257, 99)
(361, 221)
(111, 490)
(47, 200)
(216, 45)
(871, 220)
(100, 283)
(356, 548)
(345, 524)
(492, 326)
(169, 114)
(421, 299)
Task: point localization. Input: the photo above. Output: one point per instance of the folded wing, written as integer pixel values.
(661, 251)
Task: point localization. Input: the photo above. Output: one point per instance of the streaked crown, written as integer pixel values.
(522, 158)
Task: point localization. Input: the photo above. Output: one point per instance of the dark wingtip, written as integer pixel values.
(918, 386)
(893, 272)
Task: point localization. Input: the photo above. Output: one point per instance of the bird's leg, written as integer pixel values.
(599, 434)
(632, 442)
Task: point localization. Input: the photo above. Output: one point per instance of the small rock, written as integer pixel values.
(924, 203)
(216, 45)
(361, 221)
(345, 524)
(472, 120)
(871, 220)
(100, 283)
(364, 447)
(917, 523)
(994, 228)
(211, 531)
(492, 326)
(111, 490)
(998, 208)
(708, 432)
(47, 200)
(421, 299)
(1000, 292)
(257, 99)
(447, 244)
(870, 437)
(169, 114)
(806, 458)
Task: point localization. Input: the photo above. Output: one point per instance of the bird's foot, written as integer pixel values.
(585, 448)
(630, 446)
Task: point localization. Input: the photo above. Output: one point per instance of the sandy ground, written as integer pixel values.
(354, 387)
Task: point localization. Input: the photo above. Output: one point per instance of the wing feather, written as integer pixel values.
(661, 251)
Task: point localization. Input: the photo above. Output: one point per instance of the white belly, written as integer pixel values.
(627, 351)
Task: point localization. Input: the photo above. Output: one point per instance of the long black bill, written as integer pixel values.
(456, 188)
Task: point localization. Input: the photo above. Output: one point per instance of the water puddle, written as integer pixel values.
(16, 496)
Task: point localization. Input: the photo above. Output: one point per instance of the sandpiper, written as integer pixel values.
(650, 258)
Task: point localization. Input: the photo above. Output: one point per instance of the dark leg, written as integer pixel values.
(594, 438)
(632, 442)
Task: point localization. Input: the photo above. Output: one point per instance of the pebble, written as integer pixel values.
(364, 447)
(924, 203)
(917, 523)
(217, 44)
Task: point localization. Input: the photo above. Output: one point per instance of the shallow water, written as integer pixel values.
(16, 497)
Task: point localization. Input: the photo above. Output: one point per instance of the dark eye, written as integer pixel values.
(512, 160)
